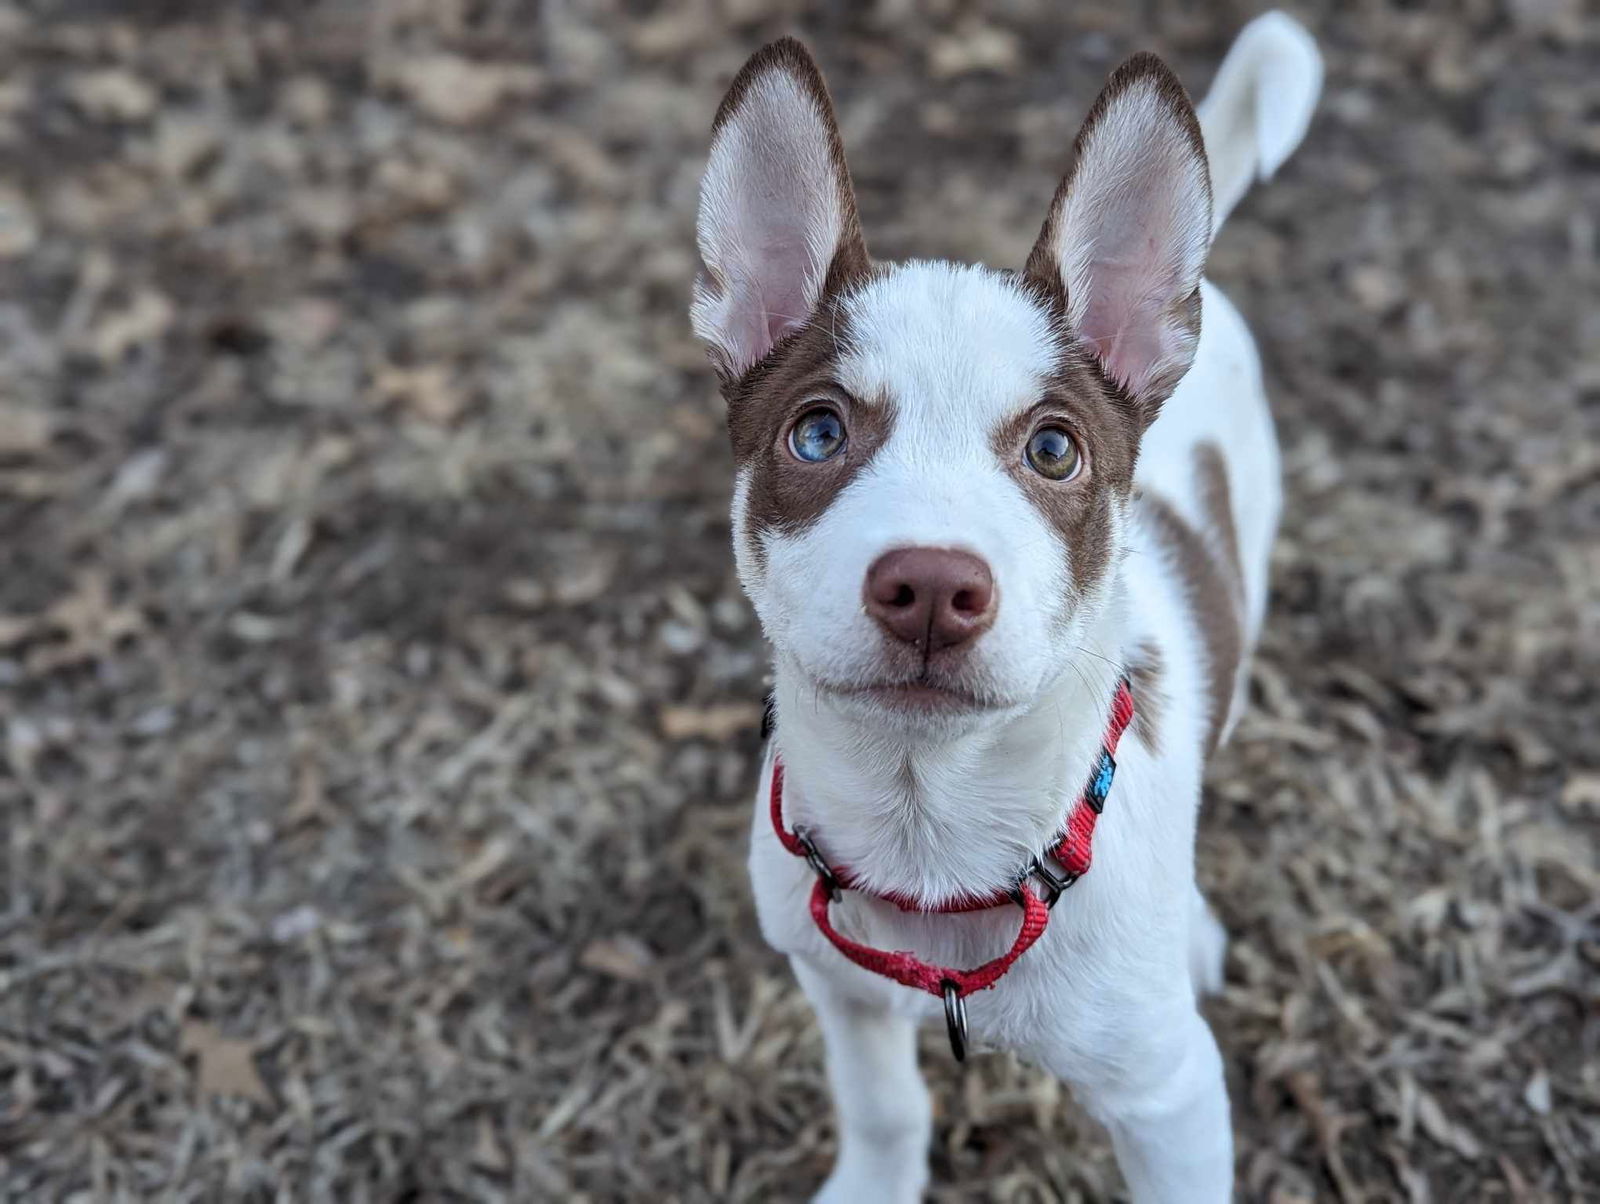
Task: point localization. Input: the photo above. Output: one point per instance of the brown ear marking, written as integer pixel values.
(1042, 271)
(851, 261)
(788, 55)
(781, 493)
(1081, 513)
(1042, 265)
(828, 324)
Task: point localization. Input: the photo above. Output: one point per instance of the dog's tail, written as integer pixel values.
(1259, 107)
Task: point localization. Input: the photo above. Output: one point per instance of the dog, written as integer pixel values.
(1007, 533)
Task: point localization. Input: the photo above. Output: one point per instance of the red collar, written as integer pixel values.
(1074, 852)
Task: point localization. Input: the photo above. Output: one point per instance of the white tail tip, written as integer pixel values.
(1259, 106)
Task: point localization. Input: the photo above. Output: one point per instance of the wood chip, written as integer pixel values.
(717, 723)
(226, 1065)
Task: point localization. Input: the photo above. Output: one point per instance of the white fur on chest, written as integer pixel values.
(1104, 961)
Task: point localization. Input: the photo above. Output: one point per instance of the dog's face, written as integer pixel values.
(930, 493)
(934, 461)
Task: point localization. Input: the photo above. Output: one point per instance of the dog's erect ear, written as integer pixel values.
(778, 228)
(1126, 238)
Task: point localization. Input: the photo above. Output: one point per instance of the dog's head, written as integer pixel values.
(935, 460)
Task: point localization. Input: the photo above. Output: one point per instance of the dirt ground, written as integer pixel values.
(378, 707)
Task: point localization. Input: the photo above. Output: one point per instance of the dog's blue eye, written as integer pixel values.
(818, 436)
(1052, 453)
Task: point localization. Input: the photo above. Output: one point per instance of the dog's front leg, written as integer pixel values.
(884, 1115)
(1166, 1106)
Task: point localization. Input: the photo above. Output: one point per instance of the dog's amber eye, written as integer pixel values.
(818, 436)
(1053, 454)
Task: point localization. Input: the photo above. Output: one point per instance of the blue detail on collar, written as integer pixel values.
(1100, 783)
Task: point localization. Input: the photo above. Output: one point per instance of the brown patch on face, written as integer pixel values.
(1144, 676)
(787, 494)
(1208, 561)
(1078, 398)
(1043, 267)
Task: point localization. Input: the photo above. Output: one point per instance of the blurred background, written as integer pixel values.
(378, 708)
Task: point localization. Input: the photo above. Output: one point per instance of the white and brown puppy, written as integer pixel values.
(968, 503)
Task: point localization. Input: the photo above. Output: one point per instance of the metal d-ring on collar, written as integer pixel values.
(955, 1019)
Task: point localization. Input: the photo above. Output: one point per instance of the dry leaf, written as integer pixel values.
(1306, 1089)
(1581, 791)
(485, 862)
(22, 428)
(1375, 288)
(974, 48)
(16, 628)
(1442, 1129)
(91, 621)
(19, 229)
(91, 624)
(308, 100)
(583, 582)
(621, 956)
(427, 392)
(310, 792)
(151, 995)
(711, 723)
(487, 1150)
(145, 319)
(112, 95)
(461, 91)
(225, 1066)
(182, 143)
(1515, 1182)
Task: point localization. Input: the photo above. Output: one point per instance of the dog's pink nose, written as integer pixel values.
(936, 597)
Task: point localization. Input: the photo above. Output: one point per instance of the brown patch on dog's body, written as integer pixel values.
(1149, 701)
(1208, 561)
(1216, 499)
(1079, 398)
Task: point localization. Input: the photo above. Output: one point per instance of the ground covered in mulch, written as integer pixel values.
(378, 707)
